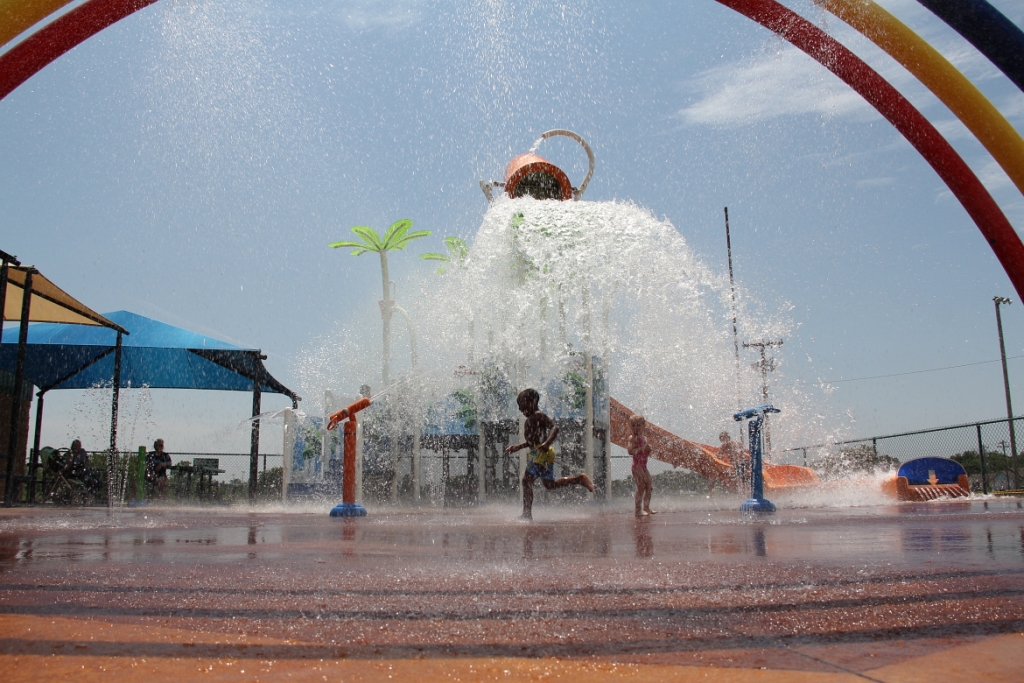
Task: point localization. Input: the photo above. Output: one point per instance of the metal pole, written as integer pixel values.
(3, 292)
(981, 456)
(735, 333)
(115, 402)
(5, 261)
(35, 448)
(254, 442)
(19, 377)
(1006, 385)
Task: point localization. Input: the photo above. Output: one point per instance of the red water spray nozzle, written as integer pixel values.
(348, 413)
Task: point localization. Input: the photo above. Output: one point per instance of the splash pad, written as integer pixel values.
(931, 591)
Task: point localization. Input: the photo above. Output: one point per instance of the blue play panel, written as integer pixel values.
(931, 471)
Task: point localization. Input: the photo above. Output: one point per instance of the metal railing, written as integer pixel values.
(235, 465)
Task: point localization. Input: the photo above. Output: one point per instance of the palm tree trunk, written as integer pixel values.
(385, 312)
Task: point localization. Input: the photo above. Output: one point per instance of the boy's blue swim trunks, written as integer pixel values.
(542, 463)
(544, 472)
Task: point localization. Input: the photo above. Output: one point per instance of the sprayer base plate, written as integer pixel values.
(348, 510)
(758, 506)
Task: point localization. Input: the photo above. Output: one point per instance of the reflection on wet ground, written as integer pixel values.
(814, 589)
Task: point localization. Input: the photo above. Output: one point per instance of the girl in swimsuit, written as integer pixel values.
(640, 450)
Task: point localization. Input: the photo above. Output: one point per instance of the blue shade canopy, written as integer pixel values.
(154, 354)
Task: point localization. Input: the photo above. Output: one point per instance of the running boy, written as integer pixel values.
(540, 432)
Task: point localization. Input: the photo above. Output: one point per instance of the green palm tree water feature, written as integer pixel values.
(396, 237)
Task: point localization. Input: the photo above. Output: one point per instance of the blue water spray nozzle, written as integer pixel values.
(757, 503)
(757, 411)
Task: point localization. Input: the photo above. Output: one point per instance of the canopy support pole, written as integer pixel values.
(115, 400)
(3, 290)
(19, 377)
(254, 443)
(34, 463)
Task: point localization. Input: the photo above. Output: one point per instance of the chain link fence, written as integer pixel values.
(983, 448)
(235, 465)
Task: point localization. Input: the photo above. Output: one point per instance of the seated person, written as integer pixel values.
(158, 461)
(78, 467)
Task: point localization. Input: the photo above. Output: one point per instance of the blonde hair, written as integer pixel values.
(635, 420)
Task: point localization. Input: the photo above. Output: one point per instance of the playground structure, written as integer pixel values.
(924, 479)
(478, 420)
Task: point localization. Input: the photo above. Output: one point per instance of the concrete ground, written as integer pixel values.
(909, 592)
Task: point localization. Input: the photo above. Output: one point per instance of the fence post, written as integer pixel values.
(981, 457)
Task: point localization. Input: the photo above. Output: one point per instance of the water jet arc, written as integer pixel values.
(918, 131)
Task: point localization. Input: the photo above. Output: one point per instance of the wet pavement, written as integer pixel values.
(928, 591)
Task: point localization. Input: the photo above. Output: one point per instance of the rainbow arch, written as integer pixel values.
(985, 27)
(953, 170)
(57, 37)
(1001, 139)
(28, 57)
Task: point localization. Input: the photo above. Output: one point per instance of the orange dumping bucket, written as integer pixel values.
(532, 175)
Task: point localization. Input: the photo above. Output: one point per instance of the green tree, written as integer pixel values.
(995, 461)
(396, 238)
(458, 251)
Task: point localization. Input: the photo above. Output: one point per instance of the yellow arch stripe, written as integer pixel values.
(1001, 140)
(16, 16)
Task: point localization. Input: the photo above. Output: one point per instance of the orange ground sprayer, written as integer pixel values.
(348, 506)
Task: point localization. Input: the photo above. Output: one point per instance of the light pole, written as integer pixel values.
(1006, 385)
(735, 334)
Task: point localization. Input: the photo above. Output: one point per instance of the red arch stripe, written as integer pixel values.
(26, 58)
(908, 121)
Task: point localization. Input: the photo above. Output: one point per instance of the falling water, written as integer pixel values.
(547, 282)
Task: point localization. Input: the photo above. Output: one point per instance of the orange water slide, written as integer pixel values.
(701, 458)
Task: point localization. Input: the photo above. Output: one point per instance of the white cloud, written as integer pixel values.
(953, 129)
(369, 14)
(787, 83)
(993, 177)
(1013, 106)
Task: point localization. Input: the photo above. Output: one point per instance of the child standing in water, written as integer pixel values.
(638, 448)
(540, 432)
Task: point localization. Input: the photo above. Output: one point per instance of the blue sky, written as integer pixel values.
(192, 162)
